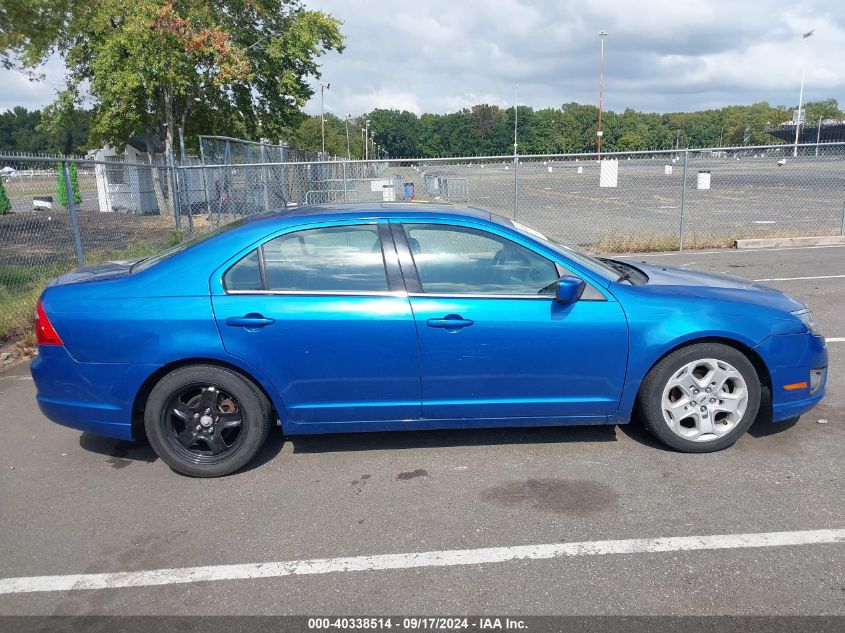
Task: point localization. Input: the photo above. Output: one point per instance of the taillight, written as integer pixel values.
(45, 333)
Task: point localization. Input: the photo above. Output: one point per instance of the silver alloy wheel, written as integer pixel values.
(704, 400)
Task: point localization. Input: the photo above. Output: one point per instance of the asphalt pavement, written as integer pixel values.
(73, 505)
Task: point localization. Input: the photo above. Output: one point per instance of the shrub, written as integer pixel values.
(5, 205)
(61, 192)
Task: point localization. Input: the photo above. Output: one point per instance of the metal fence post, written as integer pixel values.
(265, 177)
(345, 193)
(842, 224)
(683, 202)
(74, 219)
(174, 193)
(207, 193)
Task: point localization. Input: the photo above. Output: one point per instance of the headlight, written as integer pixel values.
(807, 319)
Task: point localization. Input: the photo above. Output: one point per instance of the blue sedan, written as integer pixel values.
(376, 317)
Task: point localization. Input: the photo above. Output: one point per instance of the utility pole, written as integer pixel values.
(818, 135)
(600, 133)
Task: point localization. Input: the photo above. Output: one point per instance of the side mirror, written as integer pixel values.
(569, 289)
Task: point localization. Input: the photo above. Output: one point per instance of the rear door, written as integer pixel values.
(322, 311)
(494, 342)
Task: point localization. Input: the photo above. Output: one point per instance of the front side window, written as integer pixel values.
(459, 260)
(330, 259)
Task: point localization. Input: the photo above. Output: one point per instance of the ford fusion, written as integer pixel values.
(377, 317)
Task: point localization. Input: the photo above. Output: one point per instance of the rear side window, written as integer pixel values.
(330, 259)
(245, 275)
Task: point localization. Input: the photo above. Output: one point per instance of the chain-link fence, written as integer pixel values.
(627, 202)
(633, 201)
(56, 215)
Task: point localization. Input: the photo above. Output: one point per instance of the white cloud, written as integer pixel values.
(381, 98)
(442, 55)
(16, 89)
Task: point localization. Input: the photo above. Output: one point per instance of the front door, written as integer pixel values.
(315, 311)
(494, 342)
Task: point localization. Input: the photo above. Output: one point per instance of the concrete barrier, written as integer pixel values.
(781, 242)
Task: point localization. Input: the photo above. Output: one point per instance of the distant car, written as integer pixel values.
(781, 162)
(377, 317)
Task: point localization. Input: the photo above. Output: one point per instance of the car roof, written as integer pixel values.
(368, 209)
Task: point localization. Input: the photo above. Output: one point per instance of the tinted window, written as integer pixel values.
(339, 258)
(245, 275)
(455, 260)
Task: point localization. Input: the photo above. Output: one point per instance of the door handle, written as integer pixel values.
(250, 321)
(451, 322)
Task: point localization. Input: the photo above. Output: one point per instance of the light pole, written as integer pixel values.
(818, 135)
(805, 36)
(600, 133)
(515, 152)
(367, 141)
(323, 88)
(348, 146)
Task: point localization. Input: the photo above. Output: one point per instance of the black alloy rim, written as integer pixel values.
(203, 423)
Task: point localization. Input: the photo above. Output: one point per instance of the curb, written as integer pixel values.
(774, 242)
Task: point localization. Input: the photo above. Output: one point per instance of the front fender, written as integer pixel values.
(660, 325)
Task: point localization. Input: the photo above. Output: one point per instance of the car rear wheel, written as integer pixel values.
(700, 398)
(206, 421)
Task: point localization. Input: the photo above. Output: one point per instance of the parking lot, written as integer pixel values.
(749, 197)
(75, 505)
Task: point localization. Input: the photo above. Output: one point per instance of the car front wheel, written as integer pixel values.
(206, 421)
(700, 398)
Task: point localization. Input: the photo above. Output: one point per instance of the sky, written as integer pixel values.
(660, 55)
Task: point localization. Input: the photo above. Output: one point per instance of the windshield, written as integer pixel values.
(590, 263)
(151, 261)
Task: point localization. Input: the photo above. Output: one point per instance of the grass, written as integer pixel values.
(658, 242)
(655, 242)
(20, 286)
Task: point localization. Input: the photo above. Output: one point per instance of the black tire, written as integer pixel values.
(223, 447)
(649, 402)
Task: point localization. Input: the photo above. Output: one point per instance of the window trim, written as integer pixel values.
(407, 265)
(323, 293)
(265, 290)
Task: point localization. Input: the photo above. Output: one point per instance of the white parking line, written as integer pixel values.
(835, 339)
(800, 278)
(445, 558)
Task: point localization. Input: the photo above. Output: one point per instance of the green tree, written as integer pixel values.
(5, 205)
(826, 109)
(151, 66)
(61, 188)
